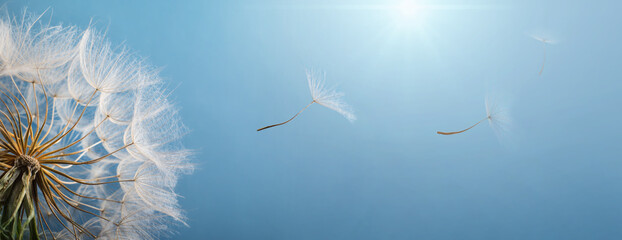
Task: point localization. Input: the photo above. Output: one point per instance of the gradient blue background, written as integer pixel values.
(236, 66)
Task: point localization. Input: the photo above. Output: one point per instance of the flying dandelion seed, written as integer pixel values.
(89, 144)
(496, 116)
(321, 95)
(544, 43)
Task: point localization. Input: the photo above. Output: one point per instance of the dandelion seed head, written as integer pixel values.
(95, 123)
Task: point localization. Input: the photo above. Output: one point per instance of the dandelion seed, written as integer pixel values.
(89, 144)
(326, 97)
(544, 41)
(496, 116)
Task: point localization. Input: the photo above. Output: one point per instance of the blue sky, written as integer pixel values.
(236, 66)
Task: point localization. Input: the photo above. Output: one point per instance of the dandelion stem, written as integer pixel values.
(278, 124)
(543, 61)
(452, 133)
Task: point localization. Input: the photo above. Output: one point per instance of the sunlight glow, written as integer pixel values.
(408, 16)
(407, 9)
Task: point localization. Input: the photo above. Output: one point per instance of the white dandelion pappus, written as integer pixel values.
(327, 97)
(321, 95)
(89, 143)
(498, 117)
(28, 44)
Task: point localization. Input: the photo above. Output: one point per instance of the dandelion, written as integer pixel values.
(496, 116)
(326, 97)
(89, 144)
(544, 43)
